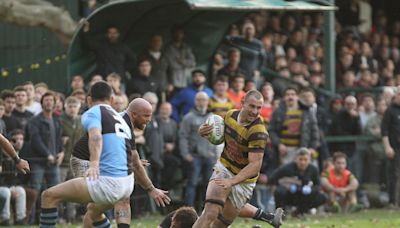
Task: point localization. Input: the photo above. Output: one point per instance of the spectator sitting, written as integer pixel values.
(10, 183)
(183, 101)
(249, 85)
(298, 184)
(340, 184)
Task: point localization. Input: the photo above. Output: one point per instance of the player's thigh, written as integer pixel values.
(217, 192)
(74, 190)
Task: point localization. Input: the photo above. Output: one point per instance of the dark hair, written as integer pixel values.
(19, 89)
(220, 78)
(338, 155)
(302, 152)
(291, 88)
(100, 91)
(307, 89)
(48, 94)
(7, 94)
(16, 132)
(198, 71)
(185, 217)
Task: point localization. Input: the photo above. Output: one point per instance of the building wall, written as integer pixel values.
(22, 46)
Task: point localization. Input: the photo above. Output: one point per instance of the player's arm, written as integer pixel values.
(249, 171)
(158, 195)
(21, 164)
(95, 147)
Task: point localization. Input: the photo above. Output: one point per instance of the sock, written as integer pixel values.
(105, 223)
(48, 217)
(262, 216)
(123, 225)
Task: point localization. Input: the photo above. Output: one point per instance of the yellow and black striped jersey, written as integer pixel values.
(240, 140)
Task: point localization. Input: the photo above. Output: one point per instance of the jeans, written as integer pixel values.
(199, 167)
(43, 170)
(20, 202)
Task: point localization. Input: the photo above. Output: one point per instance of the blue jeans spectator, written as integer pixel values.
(17, 193)
(263, 198)
(200, 167)
(41, 171)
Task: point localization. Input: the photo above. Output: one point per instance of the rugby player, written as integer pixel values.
(236, 172)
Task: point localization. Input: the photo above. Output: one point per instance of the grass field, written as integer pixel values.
(363, 219)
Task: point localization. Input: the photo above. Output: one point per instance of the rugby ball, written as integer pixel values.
(217, 134)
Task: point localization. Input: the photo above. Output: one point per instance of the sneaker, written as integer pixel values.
(355, 208)
(277, 221)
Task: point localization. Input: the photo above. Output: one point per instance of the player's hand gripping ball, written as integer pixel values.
(217, 134)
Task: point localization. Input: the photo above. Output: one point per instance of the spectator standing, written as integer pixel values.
(9, 106)
(390, 131)
(77, 83)
(40, 89)
(72, 131)
(20, 112)
(340, 184)
(375, 157)
(293, 126)
(347, 122)
(197, 151)
(143, 81)
(298, 184)
(180, 60)
(155, 54)
(10, 184)
(2, 124)
(236, 92)
(154, 141)
(252, 51)
(266, 110)
(183, 101)
(232, 68)
(111, 54)
(31, 105)
(169, 129)
(46, 145)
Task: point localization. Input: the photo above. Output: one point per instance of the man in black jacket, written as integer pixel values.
(390, 129)
(298, 184)
(46, 145)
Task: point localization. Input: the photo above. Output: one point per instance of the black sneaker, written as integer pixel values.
(277, 221)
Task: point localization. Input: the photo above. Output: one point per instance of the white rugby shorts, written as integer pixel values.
(241, 193)
(110, 190)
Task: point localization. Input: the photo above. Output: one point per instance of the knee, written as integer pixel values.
(5, 193)
(49, 195)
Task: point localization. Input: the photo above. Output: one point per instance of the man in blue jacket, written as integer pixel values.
(183, 101)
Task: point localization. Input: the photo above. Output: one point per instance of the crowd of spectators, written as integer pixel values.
(44, 125)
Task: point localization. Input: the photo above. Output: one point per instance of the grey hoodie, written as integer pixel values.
(190, 142)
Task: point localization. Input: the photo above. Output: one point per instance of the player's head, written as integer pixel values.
(303, 158)
(184, 217)
(100, 92)
(339, 161)
(140, 112)
(251, 105)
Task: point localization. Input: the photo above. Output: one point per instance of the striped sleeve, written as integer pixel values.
(258, 138)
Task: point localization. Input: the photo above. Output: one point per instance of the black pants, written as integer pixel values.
(394, 175)
(303, 203)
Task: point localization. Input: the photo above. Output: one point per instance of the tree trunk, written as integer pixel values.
(39, 13)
